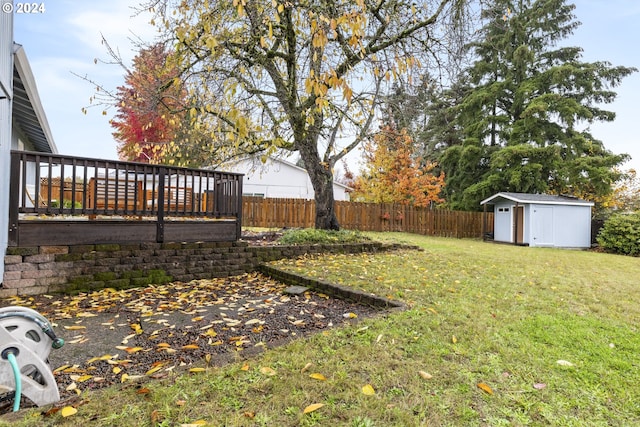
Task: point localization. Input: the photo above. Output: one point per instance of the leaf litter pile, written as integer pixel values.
(114, 336)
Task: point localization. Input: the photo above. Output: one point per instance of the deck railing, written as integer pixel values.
(52, 187)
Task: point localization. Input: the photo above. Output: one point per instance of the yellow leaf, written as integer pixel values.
(124, 377)
(454, 339)
(484, 387)
(61, 368)
(245, 367)
(368, 390)
(425, 375)
(84, 378)
(265, 370)
(190, 347)
(67, 411)
(194, 370)
(117, 370)
(312, 407)
(318, 376)
(72, 387)
(74, 328)
(153, 370)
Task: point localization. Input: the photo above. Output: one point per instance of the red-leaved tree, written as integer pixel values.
(149, 106)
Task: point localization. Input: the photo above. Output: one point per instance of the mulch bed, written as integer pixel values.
(114, 336)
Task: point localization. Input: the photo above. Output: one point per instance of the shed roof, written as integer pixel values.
(541, 199)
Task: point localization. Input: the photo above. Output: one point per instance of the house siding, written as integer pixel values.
(277, 179)
(6, 82)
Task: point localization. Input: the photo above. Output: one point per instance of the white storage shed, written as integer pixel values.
(541, 220)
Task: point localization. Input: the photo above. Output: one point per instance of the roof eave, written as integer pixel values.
(537, 202)
(39, 133)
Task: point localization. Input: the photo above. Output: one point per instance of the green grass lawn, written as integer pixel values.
(479, 313)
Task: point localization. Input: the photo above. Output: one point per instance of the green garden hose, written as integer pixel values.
(16, 374)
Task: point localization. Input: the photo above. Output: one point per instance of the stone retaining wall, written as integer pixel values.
(50, 269)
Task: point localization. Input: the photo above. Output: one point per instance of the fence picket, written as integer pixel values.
(299, 213)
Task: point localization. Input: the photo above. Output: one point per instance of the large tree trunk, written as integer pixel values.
(322, 180)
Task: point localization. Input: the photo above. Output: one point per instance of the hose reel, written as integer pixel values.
(26, 339)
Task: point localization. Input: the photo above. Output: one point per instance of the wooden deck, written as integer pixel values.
(57, 200)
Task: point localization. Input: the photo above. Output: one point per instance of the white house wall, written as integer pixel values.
(279, 180)
(6, 83)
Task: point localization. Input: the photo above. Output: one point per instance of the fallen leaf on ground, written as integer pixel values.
(484, 387)
(564, 363)
(368, 390)
(190, 347)
(312, 407)
(265, 370)
(67, 411)
(425, 375)
(318, 376)
(307, 366)
(539, 386)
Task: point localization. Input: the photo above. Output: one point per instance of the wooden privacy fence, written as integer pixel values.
(276, 213)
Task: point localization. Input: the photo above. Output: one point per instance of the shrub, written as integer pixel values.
(312, 235)
(620, 234)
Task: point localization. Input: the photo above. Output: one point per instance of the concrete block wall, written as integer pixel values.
(67, 269)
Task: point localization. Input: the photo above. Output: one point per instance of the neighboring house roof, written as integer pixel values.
(27, 112)
(541, 199)
(258, 163)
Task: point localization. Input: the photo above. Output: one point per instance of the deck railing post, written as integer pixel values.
(15, 188)
(239, 206)
(160, 219)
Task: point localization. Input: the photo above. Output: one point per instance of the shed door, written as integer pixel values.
(542, 226)
(518, 224)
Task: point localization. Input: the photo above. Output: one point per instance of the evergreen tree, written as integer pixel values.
(525, 118)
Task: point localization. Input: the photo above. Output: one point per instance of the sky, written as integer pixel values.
(65, 40)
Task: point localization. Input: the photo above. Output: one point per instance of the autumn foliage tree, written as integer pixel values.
(303, 76)
(149, 104)
(393, 175)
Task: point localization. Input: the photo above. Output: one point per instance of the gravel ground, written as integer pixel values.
(155, 330)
